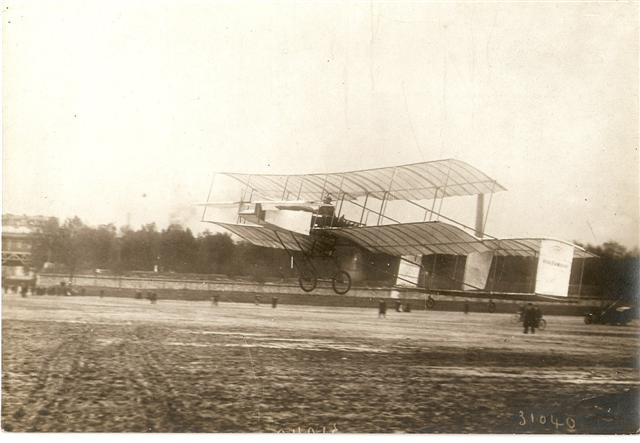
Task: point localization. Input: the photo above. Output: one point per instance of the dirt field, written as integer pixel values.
(115, 364)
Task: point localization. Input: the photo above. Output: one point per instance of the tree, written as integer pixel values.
(177, 249)
(615, 272)
(139, 250)
(215, 253)
(43, 243)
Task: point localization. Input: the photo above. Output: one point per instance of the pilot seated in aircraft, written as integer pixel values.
(325, 213)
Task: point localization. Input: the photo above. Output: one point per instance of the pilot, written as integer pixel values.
(325, 211)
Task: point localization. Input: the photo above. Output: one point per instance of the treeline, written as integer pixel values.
(615, 273)
(74, 247)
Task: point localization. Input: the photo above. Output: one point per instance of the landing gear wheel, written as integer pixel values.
(492, 307)
(341, 282)
(542, 324)
(307, 282)
(430, 302)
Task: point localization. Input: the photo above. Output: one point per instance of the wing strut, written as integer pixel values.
(204, 211)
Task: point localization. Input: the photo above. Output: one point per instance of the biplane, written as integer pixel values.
(343, 228)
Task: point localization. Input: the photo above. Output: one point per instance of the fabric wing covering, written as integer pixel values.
(413, 239)
(527, 247)
(269, 238)
(418, 181)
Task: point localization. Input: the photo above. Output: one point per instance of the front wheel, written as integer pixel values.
(430, 303)
(341, 282)
(307, 282)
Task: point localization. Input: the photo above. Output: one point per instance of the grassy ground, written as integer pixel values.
(116, 364)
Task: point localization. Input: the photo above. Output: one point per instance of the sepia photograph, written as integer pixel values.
(334, 217)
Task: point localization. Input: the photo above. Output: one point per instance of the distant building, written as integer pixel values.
(18, 233)
(33, 222)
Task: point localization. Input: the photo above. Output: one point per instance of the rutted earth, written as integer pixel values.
(113, 364)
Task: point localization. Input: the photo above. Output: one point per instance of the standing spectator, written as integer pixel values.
(382, 309)
(529, 318)
(466, 307)
(538, 315)
(274, 302)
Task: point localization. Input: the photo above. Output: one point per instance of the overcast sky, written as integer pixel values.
(113, 108)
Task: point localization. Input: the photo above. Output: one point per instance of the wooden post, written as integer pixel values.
(479, 215)
(581, 274)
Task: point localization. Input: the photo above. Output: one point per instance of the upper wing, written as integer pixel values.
(413, 239)
(419, 181)
(270, 237)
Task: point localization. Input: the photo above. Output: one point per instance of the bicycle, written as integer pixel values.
(518, 318)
